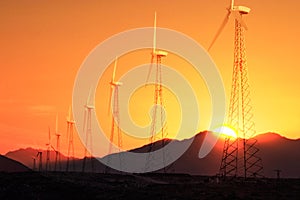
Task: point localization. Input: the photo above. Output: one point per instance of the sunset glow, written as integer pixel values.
(43, 45)
(226, 131)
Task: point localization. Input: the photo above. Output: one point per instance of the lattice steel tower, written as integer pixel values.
(87, 129)
(240, 155)
(158, 111)
(115, 124)
(70, 137)
(57, 164)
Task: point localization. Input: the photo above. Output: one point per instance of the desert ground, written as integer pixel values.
(61, 185)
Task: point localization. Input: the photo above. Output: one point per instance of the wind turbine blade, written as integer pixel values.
(150, 69)
(154, 34)
(109, 101)
(67, 135)
(56, 124)
(238, 17)
(114, 72)
(69, 114)
(220, 30)
(84, 120)
(88, 98)
(53, 148)
(231, 4)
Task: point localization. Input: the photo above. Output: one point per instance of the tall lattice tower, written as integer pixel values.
(158, 111)
(240, 155)
(115, 124)
(87, 128)
(70, 128)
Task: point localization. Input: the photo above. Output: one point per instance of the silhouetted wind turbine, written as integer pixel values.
(70, 128)
(87, 128)
(158, 98)
(115, 125)
(237, 11)
(57, 151)
(155, 54)
(240, 157)
(40, 156)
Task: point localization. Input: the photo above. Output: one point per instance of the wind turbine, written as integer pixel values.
(70, 128)
(48, 151)
(156, 56)
(115, 125)
(40, 156)
(240, 155)
(87, 128)
(57, 151)
(237, 11)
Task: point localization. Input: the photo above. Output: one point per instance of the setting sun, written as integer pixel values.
(226, 131)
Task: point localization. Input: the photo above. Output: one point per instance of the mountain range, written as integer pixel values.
(277, 153)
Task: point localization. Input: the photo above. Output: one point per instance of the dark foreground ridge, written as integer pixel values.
(34, 185)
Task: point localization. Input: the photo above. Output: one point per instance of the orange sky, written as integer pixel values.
(44, 43)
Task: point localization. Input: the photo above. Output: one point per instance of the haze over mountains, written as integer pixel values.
(26, 156)
(276, 152)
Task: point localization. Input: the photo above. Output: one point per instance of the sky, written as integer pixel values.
(44, 43)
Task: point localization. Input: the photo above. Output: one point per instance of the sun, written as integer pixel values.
(225, 131)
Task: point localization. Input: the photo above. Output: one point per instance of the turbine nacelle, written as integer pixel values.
(115, 84)
(160, 53)
(70, 121)
(89, 106)
(241, 9)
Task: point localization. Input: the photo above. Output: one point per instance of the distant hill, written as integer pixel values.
(9, 165)
(26, 156)
(277, 152)
(281, 153)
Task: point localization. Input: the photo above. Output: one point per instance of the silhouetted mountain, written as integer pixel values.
(26, 156)
(9, 165)
(277, 152)
(189, 162)
(280, 153)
